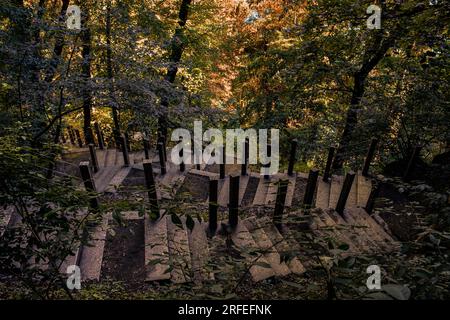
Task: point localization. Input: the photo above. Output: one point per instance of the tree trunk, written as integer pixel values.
(351, 120)
(177, 48)
(109, 68)
(372, 57)
(86, 74)
(59, 44)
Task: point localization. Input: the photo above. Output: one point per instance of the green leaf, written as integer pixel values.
(344, 247)
(154, 262)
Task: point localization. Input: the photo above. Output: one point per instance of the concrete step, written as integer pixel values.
(271, 254)
(157, 266)
(261, 192)
(375, 230)
(198, 247)
(290, 190)
(117, 180)
(353, 195)
(243, 183)
(92, 255)
(272, 189)
(283, 247)
(370, 245)
(223, 192)
(323, 194)
(110, 158)
(179, 253)
(334, 229)
(260, 268)
(335, 190)
(357, 235)
(364, 189)
(103, 178)
(101, 157)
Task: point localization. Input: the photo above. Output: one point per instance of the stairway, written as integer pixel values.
(181, 254)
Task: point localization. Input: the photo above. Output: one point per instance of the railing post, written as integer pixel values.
(162, 162)
(372, 197)
(80, 142)
(146, 143)
(411, 163)
(182, 164)
(327, 172)
(279, 203)
(269, 154)
(194, 158)
(151, 189)
(94, 160)
(91, 133)
(123, 144)
(346, 187)
(89, 183)
(101, 141)
(244, 166)
(71, 135)
(310, 187)
(292, 157)
(213, 205)
(63, 137)
(222, 165)
(127, 139)
(233, 205)
(369, 157)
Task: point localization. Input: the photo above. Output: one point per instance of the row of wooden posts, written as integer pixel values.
(233, 206)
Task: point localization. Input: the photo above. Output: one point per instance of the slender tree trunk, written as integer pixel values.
(351, 120)
(86, 74)
(109, 68)
(177, 49)
(59, 44)
(372, 57)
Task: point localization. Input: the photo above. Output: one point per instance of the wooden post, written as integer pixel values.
(369, 157)
(63, 137)
(91, 133)
(269, 154)
(213, 204)
(222, 165)
(161, 158)
(411, 163)
(93, 157)
(151, 188)
(244, 165)
(89, 183)
(372, 197)
(123, 144)
(101, 141)
(233, 206)
(279, 203)
(292, 157)
(327, 172)
(127, 139)
(71, 135)
(182, 164)
(194, 159)
(346, 187)
(311, 187)
(146, 143)
(80, 142)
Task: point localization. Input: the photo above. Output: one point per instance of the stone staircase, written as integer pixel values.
(180, 252)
